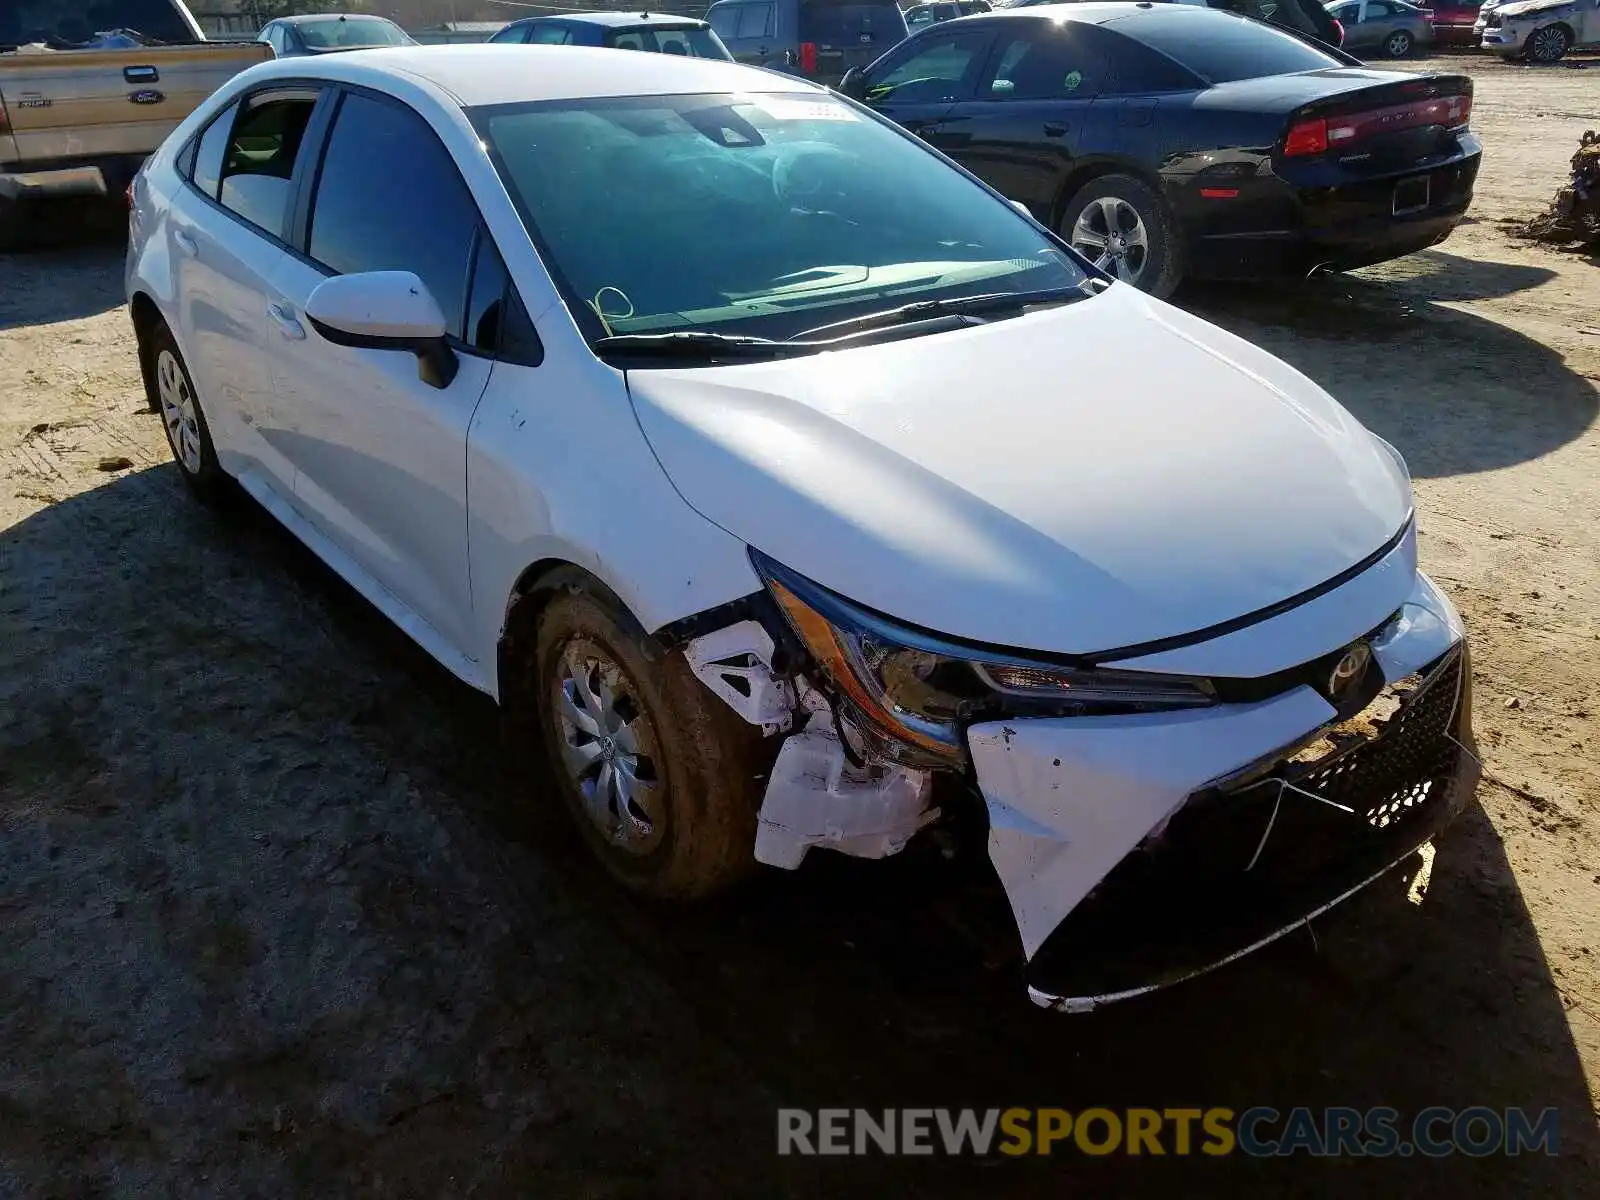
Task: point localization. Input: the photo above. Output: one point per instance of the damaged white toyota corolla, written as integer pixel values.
(794, 490)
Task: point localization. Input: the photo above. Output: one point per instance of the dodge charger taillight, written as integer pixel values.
(1321, 134)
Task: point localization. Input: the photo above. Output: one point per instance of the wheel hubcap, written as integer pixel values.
(1397, 44)
(1111, 233)
(608, 747)
(178, 411)
(1546, 43)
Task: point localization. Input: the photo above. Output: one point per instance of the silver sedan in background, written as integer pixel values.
(1382, 28)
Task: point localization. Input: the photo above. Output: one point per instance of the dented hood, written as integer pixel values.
(1085, 478)
(1526, 8)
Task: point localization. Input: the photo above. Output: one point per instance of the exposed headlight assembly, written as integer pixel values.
(916, 690)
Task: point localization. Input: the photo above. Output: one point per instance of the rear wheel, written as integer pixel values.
(1398, 44)
(1121, 225)
(659, 776)
(1549, 44)
(188, 435)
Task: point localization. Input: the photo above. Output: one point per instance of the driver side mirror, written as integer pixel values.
(854, 84)
(385, 310)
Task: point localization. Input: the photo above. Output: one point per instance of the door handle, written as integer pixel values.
(285, 320)
(1055, 129)
(186, 242)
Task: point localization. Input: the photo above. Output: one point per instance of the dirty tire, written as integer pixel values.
(703, 761)
(1549, 44)
(182, 418)
(1398, 44)
(1161, 269)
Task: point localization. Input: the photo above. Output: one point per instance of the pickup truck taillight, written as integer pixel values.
(1334, 133)
(808, 57)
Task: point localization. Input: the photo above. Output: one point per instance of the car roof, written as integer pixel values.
(1135, 14)
(482, 73)
(631, 20)
(316, 18)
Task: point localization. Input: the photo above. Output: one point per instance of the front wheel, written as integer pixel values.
(1549, 44)
(659, 775)
(1398, 44)
(1120, 224)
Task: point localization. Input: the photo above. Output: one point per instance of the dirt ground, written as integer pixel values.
(274, 920)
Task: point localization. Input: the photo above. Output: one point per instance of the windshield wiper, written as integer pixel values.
(693, 344)
(921, 310)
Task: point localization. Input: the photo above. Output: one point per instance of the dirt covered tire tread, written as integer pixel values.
(715, 763)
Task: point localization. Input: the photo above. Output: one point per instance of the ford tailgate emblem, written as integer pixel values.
(146, 96)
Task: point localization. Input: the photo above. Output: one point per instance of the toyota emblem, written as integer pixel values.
(1347, 672)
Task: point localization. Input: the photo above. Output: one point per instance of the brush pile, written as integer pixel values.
(1573, 218)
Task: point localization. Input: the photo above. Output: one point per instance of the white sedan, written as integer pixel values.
(794, 490)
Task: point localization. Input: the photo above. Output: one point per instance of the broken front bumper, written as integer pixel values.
(1139, 851)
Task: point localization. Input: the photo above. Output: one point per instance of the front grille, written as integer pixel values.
(1240, 861)
(1392, 774)
(1374, 772)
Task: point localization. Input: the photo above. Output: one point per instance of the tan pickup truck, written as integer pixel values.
(89, 88)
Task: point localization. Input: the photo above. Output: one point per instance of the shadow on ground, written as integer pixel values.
(662, 1038)
(47, 285)
(1456, 393)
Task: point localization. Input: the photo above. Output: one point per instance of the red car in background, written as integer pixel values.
(1453, 21)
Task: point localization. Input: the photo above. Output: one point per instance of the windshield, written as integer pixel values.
(692, 41)
(763, 215)
(833, 23)
(74, 21)
(351, 31)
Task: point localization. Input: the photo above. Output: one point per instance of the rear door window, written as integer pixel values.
(549, 35)
(213, 144)
(258, 162)
(1053, 65)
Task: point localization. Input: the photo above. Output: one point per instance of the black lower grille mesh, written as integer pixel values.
(1237, 863)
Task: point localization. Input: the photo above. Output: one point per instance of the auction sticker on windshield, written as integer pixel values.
(783, 108)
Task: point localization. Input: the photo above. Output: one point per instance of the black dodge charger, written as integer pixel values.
(1167, 141)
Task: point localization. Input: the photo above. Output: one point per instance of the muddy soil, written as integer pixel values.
(274, 920)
